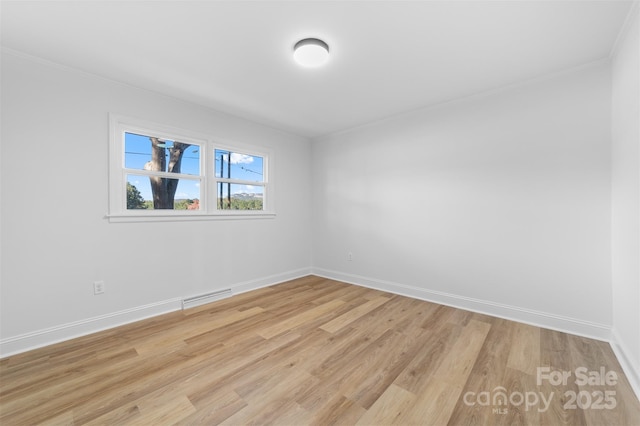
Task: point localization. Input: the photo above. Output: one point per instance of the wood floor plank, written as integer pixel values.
(345, 348)
(338, 410)
(333, 373)
(524, 402)
(457, 367)
(555, 355)
(348, 317)
(122, 415)
(377, 371)
(163, 412)
(267, 400)
(433, 406)
(390, 407)
(65, 418)
(487, 375)
(436, 403)
(296, 320)
(318, 352)
(436, 347)
(217, 405)
(524, 354)
(189, 371)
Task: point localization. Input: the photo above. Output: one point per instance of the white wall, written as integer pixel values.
(626, 197)
(56, 241)
(499, 203)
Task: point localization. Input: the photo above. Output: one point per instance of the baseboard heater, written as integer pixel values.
(192, 302)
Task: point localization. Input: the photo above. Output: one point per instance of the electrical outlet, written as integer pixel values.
(349, 256)
(98, 287)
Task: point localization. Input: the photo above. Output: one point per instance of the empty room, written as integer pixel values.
(320, 212)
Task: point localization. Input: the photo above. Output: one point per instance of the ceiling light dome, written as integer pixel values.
(311, 52)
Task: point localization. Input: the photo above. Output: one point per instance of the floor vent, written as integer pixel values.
(192, 302)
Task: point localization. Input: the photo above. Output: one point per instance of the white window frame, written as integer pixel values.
(118, 212)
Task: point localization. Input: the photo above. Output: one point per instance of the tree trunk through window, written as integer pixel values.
(164, 189)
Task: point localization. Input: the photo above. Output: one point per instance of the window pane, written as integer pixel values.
(232, 165)
(233, 196)
(170, 156)
(184, 196)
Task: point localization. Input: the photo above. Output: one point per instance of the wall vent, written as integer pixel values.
(192, 302)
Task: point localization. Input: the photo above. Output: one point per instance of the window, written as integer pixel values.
(161, 173)
(239, 180)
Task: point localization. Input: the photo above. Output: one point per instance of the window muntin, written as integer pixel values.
(233, 183)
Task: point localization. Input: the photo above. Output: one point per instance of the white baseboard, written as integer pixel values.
(631, 369)
(48, 336)
(514, 313)
(245, 286)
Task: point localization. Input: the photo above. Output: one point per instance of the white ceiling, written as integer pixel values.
(387, 57)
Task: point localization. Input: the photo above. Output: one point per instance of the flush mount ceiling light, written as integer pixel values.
(311, 52)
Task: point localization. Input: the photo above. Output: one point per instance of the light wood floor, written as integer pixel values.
(316, 351)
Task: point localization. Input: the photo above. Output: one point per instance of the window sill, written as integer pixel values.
(178, 217)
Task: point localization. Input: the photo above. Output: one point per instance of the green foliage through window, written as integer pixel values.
(134, 198)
